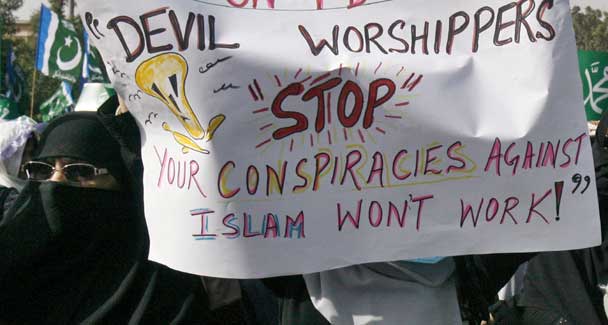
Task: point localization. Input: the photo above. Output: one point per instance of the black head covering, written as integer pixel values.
(72, 255)
(80, 135)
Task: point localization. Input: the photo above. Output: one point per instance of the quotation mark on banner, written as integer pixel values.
(577, 179)
(93, 25)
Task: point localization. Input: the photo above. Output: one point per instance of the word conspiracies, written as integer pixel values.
(504, 25)
(357, 170)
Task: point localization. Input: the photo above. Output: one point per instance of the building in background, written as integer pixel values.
(24, 29)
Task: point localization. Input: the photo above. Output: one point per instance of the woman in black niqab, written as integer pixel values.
(566, 287)
(77, 253)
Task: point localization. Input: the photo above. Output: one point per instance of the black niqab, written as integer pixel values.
(79, 255)
(566, 284)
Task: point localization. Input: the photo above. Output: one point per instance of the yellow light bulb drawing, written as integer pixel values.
(187, 143)
(164, 78)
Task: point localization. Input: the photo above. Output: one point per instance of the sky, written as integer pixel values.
(30, 5)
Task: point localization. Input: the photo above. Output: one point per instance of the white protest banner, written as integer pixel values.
(283, 137)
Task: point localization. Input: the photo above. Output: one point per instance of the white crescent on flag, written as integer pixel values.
(75, 61)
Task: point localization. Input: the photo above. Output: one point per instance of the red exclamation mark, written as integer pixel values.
(559, 187)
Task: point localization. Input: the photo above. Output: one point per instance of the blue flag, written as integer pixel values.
(14, 77)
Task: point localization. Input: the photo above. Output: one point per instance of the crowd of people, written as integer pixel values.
(74, 246)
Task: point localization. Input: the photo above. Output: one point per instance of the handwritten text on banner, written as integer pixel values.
(283, 137)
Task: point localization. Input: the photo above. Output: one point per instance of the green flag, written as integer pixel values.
(594, 73)
(96, 73)
(8, 109)
(92, 70)
(60, 51)
(58, 104)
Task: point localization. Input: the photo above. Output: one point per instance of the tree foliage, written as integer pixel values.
(591, 28)
(25, 51)
(7, 8)
(57, 6)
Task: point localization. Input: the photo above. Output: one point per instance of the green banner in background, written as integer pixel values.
(59, 104)
(594, 74)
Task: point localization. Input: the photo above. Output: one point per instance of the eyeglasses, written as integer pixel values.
(76, 172)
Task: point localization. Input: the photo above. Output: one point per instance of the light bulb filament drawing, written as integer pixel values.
(164, 78)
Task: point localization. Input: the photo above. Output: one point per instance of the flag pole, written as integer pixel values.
(33, 93)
